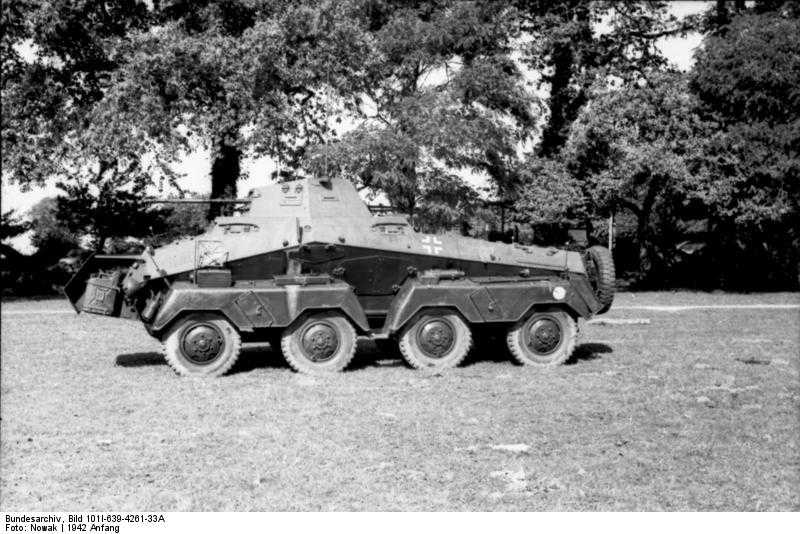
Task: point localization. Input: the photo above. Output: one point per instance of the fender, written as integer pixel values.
(259, 304)
(486, 300)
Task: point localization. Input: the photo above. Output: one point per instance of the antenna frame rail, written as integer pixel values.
(199, 201)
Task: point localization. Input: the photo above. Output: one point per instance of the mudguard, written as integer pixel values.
(489, 300)
(259, 305)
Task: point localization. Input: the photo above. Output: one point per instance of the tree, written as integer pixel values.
(170, 222)
(51, 91)
(578, 47)
(11, 225)
(436, 93)
(634, 150)
(237, 77)
(49, 233)
(566, 46)
(748, 82)
(57, 60)
(115, 92)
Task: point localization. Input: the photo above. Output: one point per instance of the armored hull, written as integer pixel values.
(309, 266)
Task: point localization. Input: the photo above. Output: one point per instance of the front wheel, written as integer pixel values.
(202, 344)
(544, 338)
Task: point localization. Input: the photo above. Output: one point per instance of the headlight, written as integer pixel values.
(559, 293)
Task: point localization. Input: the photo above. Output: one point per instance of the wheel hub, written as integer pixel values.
(320, 342)
(436, 337)
(202, 343)
(544, 335)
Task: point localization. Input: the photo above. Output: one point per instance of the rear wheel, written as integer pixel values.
(202, 344)
(319, 343)
(435, 339)
(544, 338)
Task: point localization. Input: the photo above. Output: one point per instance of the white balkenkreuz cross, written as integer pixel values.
(432, 244)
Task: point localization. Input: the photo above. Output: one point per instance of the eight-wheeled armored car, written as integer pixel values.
(307, 267)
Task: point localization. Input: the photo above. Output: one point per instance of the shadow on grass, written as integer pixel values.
(251, 358)
(367, 355)
(587, 352)
(258, 357)
(488, 346)
(372, 354)
(140, 359)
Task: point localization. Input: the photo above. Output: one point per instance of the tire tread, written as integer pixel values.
(174, 361)
(516, 350)
(407, 351)
(606, 276)
(300, 365)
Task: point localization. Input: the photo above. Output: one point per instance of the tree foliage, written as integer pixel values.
(436, 94)
(239, 78)
(636, 150)
(50, 234)
(748, 81)
(58, 58)
(11, 225)
(572, 52)
(121, 90)
(56, 63)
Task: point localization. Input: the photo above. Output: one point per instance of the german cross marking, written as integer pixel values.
(430, 244)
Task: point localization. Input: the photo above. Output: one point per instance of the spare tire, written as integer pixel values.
(600, 269)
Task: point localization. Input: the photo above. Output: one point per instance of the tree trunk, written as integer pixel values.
(643, 226)
(225, 172)
(565, 101)
(553, 136)
(644, 251)
(100, 245)
(589, 227)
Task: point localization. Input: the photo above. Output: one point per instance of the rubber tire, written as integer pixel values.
(525, 356)
(185, 367)
(606, 276)
(294, 354)
(417, 359)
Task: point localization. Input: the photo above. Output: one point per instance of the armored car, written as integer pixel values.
(307, 267)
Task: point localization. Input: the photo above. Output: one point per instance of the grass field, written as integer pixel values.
(698, 410)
